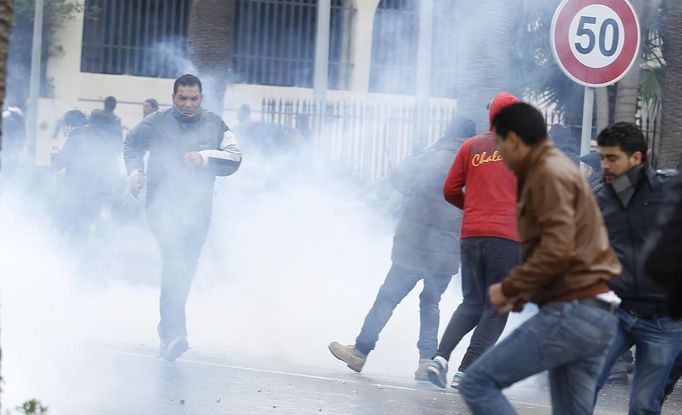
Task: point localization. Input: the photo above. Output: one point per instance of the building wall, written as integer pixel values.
(86, 91)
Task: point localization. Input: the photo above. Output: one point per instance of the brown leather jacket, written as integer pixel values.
(566, 248)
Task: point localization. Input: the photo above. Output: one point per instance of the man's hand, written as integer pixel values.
(136, 183)
(502, 303)
(193, 159)
(498, 299)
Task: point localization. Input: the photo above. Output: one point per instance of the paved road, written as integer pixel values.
(121, 378)
(131, 379)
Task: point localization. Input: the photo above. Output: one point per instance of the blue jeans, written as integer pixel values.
(485, 261)
(657, 343)
(675, 374)
(569, 339)
(180, 239)
(399, 282)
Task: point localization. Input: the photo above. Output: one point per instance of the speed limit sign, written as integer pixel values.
(595, 42)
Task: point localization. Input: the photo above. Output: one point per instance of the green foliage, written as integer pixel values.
(535, 70)
(55, 14)
(538, 76)
(653, 64)
(32, 407)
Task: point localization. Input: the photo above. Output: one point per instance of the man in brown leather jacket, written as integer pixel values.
(567, 261)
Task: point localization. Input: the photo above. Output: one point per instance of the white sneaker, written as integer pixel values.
(173, 349)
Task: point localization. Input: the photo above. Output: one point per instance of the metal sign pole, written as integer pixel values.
(34, 88)
(588, 110)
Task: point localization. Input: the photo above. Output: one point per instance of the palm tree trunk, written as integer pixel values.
(209, 47)
(484, 57)
(5, 29)
(626, 98)
(628, 87)
(669, 148)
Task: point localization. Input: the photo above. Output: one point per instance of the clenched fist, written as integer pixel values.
(136, 184)
(193, 159)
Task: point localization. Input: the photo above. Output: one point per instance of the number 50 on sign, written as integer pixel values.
(595, 42)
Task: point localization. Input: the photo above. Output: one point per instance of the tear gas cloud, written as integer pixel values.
(294, 258)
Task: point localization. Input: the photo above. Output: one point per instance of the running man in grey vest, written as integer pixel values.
(188, 147)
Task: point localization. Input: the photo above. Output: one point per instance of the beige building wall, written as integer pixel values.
(86, 91)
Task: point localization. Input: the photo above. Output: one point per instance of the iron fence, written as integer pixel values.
(370, 139)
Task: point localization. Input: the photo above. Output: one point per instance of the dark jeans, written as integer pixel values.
(569, 339)
(675, 374)
(399, 282)
(180, 239)
(485, 261)
(77, 214)
(657, 343)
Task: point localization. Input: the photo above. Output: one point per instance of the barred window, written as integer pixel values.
(135, 37)
(395, 48)
(274, 42)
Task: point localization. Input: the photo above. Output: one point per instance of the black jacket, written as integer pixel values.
(167, 136)
(90, 159)
(428, 231)
(629, 229)
(664, 263)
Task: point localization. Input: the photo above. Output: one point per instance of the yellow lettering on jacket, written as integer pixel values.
(482, 158)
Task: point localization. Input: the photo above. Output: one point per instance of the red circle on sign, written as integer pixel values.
(575, 69)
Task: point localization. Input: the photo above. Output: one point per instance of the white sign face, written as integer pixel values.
(595, 42)
(596, 36)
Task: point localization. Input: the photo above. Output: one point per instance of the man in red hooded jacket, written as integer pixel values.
(482, 186)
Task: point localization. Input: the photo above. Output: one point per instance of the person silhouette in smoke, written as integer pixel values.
(425, 247)
(188, 147)
(90, 159)
(109, 108)
(13, 140)
(149, 106)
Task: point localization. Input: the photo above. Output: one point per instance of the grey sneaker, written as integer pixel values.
(421, 375)
(456, 380)
(437, 372)
(348, 354)
(173, 349)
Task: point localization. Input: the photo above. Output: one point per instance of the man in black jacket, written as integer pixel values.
(630, 199)
(188, 147)
(90, 159)
(425, 247)
(664, 263)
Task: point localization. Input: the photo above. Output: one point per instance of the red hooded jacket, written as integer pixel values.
(482, 186)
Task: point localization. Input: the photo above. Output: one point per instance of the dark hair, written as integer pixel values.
(153, 103)
(98, 117)
(625, 135)
(109, 103)
(524, 120)
(75, 118)
(186, 80)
